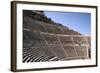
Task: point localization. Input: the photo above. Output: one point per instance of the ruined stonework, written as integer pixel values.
(45, 40)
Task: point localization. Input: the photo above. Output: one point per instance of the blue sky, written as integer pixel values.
(80, 22)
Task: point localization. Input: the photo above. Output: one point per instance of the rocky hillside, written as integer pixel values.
(37, 21)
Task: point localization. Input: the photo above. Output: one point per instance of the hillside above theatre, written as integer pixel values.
(38, 21)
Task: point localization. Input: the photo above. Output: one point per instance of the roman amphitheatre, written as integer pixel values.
(45, 40)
